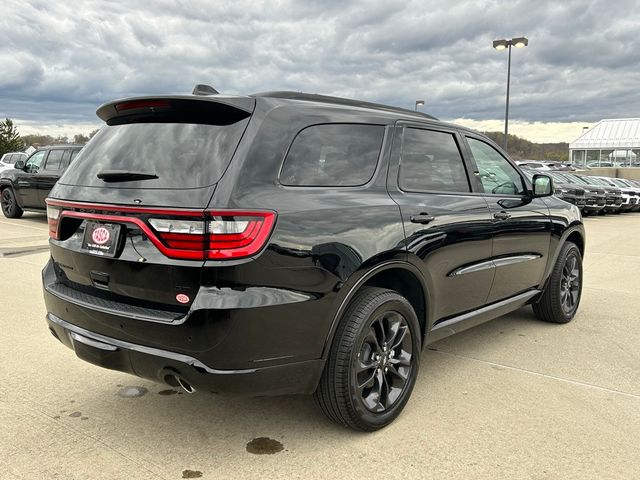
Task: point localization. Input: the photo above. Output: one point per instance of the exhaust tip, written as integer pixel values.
(186, 386)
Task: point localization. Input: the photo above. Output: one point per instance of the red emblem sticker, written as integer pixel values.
(182, 298)
(100, 235)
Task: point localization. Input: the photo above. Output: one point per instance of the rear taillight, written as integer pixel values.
(221, 235)
(186, 234)
(53, 215)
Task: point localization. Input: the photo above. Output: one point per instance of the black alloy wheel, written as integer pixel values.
(373, 361)
(570, 284)
(561, 297)
(10, 207)
(384, 361)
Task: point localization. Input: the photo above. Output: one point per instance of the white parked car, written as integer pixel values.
(9, 159)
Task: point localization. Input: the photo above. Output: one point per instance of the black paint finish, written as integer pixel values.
(262, 325)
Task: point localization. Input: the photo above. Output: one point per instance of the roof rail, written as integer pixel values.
(204, 89)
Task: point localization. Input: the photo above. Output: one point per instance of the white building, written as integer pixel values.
(611, 142)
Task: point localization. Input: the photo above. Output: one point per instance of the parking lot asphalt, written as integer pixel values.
(513, 398)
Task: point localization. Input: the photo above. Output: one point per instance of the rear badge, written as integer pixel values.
(100, 235)
(182, 298)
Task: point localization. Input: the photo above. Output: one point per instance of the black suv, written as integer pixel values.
(286, 243)
(27, 185)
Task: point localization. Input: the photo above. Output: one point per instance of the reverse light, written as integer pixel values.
(53, 215)
(185, 234)
(221, 235)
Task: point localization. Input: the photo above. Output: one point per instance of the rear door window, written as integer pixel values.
(182, 155)
(54, 160)
(431, 161)
(333, 155)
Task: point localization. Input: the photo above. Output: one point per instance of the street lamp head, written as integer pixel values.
(419, 102)
(500, 44)
(520, 42)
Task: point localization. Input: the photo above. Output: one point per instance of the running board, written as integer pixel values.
(476, 317)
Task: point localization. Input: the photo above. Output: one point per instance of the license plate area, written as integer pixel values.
(101, 238)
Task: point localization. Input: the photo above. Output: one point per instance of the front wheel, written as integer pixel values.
(10, 207)
(373, 362)
(561, 297)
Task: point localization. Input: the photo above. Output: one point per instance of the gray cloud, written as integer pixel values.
(60, 60)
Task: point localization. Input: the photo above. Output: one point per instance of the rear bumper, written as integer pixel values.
(164, 366)
(267, 342)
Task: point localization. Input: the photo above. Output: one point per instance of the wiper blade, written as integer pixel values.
(124, 176)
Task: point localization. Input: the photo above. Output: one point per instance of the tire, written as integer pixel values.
(10, 207)
(561, 297)
(369, 394)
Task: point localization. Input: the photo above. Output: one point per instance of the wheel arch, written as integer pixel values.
(399, 276)
(574, 234)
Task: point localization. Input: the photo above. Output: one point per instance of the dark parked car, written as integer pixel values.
(562, 189)
(613, 194)
(595, 196)
(630, 193)
(27, 185)
(287, 243)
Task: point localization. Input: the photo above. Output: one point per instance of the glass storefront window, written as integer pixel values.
(607, 158)
(593, 158)
(578, 157)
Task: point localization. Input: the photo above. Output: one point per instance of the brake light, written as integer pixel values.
(240, 235)
(180, 234)
(53, 215)
(186, 234)
(136, 104)
(222, 235)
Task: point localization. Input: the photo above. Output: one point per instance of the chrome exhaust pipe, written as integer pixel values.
(186, 386)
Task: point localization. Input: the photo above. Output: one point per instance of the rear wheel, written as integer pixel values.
(10, 207)
(373, 362)
(561, 298)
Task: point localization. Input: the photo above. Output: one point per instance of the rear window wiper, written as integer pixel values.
(124, 176)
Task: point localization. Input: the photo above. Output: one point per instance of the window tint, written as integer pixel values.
(54, 160)
(33, 164)
(431, 161)
(182, 155)
(498, 176)
(74, 154)
(339, 155)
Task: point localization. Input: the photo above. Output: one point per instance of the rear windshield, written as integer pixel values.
(181, 155)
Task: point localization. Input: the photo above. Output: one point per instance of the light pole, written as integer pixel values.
(518, 42)
(419, 102)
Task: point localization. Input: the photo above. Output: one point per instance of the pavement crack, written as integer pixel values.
(543, 375)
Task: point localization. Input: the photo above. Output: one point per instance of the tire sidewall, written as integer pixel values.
(8, 191)
(401, 305)
(570, 249)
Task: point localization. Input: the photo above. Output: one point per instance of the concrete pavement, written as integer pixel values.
(514, 398)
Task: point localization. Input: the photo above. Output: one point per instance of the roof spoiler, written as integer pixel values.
(206, 109)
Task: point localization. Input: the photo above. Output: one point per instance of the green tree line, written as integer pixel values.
(12, 141)
(521, 149)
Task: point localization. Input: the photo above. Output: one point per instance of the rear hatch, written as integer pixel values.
(128, 221)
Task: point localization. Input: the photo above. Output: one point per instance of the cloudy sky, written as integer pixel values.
(60, 59)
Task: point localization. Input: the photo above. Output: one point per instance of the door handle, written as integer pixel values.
(502, 216)
(423, 218)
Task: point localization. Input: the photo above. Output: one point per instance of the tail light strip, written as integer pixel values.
(188, 246)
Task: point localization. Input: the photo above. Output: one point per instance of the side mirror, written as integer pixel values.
(542, 185)
(19, 165)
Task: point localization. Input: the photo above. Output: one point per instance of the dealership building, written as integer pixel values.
(610, 143)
